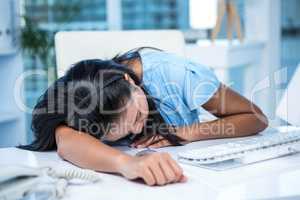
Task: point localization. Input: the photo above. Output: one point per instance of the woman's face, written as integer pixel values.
(134, 116)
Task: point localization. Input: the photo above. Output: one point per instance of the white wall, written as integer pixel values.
(262, 23)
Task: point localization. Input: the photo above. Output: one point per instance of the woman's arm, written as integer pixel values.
(88, 152)
(237, 117)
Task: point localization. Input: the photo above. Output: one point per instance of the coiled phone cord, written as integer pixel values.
(72, 173)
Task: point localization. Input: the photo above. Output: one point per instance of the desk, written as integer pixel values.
(274, 178)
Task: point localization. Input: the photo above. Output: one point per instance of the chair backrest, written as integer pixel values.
(288, 108)
(73, 46)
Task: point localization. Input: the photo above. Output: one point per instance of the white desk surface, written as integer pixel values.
(265, 180)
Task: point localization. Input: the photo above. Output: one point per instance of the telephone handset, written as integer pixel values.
(17, 182)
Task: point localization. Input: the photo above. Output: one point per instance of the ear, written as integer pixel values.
(127, 78)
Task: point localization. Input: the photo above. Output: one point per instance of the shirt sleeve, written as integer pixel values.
(178, 77)
(200, 85)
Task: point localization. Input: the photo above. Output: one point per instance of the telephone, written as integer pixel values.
(20, 182)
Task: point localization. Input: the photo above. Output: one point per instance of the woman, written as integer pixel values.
(145, 97)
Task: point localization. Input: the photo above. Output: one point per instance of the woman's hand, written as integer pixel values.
(155, 141)
(154, 169)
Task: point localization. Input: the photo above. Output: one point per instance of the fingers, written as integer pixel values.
(183, 179)
(176, 168)
(148, 177)
(141, 141)
(153, 143)
(158, 174)
(165, 169)
(159, 169)
(168, 171)
(147, 142)
(161, 143)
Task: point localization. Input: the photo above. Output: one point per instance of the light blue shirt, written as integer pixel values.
(179, 86)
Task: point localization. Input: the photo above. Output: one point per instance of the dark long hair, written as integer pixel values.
(99, 83)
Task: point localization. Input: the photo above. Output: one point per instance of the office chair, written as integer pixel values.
(74, 46)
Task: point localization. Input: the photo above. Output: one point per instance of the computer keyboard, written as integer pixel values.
(245, 151)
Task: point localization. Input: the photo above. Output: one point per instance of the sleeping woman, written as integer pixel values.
(143, 98)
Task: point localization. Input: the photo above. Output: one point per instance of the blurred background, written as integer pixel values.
(263, 53)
